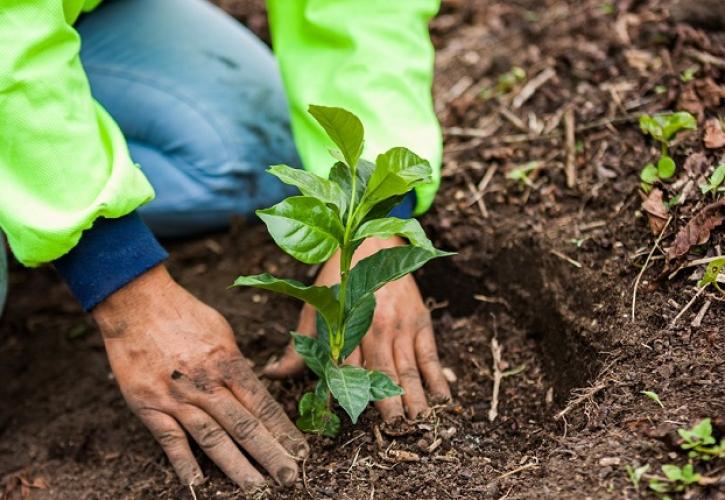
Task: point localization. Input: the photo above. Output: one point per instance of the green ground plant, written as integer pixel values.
(663, 128)
(339, 213)
(700, 443)
(715, 182)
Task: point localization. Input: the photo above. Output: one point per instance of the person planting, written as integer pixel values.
(161, 124)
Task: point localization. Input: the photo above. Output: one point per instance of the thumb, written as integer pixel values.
(292, 363)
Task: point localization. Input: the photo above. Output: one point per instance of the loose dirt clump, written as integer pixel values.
(540, 198)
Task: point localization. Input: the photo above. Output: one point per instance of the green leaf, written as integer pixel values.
(321, 298)
(312, 185)
(658, 486)
(672, 472)
(312, 352)
(344, 128)
(386, 265)
(717, 178)
(340, 174)
(635, 474)
(357, 324)
(383, 209)
(654, 397)
(673, 123)
(712, 271)
(315, 417)
(397, 171)
(350, 385)
(304, 227)
(689, 476)
(382, 386)
(391, 226)
(666, 167)
(650, 125)
(649, 174)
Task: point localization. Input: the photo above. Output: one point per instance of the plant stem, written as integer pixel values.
(345, 260)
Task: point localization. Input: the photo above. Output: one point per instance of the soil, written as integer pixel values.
(546, 269)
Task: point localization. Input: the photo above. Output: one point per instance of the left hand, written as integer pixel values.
(400, 342)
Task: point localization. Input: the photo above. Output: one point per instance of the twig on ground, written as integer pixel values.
(701, 314)
(570, 142)
(705, 57)
(568, 259)
(644, 268)
(497, 376)
(688, 305)
(191, 490)
(524, 467)
(532, 86)
(515, 120)
(483, 184)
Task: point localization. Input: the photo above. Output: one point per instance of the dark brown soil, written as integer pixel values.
(548, 270)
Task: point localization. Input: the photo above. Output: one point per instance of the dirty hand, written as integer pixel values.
(179, 369)
(400, 342)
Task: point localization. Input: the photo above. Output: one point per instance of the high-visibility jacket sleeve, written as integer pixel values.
(63, 160)
(372, 57)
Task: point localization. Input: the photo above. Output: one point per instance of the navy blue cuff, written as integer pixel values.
(109, 255)
(404, 210)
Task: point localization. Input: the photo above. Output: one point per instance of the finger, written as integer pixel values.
(378, 356)
(240, 379)
(251, 435)
(219, 447)
(291, 363)
(355, 358)
(172, 438)
(426, 353)
(405, 365)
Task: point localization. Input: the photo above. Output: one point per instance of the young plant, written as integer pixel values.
(339, 213)
(663, 128)
(635, 474)
(712, 271)
(714, 183)
(700, 443)
(676, 479)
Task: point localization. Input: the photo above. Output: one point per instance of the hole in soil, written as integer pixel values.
(543, 297)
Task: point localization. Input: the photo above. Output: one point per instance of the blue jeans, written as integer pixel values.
(200, 101)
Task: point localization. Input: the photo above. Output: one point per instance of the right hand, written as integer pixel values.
(179, 368)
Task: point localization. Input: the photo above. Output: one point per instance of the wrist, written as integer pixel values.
(129, 303)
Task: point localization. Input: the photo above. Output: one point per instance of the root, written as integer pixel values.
(646, 264)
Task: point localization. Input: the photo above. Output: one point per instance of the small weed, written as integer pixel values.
(712, 271)
(608, 8)
(635, 474)
(714, 183)
(510, 79)
(676, 479)
(689, 74)
(654, 397)
(699, 441)
(663, 128)
(521, 174)
(660, 89)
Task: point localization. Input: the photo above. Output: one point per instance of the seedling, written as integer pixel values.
(712, 271)
(654, 397)
(676, 479)
(663, 128)
(521, 173)
(689, 74)
(635, 474)
(700, 443)
(714, 182)
(339, 213)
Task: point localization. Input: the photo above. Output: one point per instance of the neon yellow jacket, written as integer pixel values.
(64, 161)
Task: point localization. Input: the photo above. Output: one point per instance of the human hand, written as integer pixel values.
(400, 342)
(179, 368)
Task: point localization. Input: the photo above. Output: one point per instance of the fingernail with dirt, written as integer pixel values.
(286, 476)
